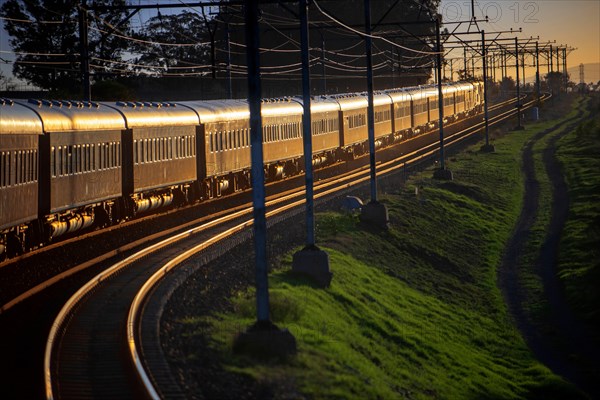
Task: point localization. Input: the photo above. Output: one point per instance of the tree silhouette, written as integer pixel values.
(45, 37)
(173, 43)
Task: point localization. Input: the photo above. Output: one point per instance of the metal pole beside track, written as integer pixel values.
(537, 70)
(440, 92)
(256, 151)
(519, 127)
(83, 44)
(370, 108)
(485, 87)
(306, 126)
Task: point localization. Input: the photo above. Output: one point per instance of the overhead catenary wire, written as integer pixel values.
(371, 36)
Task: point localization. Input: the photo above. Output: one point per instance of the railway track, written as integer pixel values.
(86, 353)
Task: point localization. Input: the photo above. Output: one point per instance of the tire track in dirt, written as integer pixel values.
(578, 349)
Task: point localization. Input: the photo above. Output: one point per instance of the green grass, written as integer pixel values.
(535, 304)
(579, 263)
(414, 312)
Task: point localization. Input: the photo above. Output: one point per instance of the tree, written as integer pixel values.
(174, 43)
(45, 36)
(555, 81)
(6, 83)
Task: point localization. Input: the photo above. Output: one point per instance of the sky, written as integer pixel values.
(570, 22)
(575, 23)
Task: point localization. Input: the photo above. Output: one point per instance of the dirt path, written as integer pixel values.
(577, 359)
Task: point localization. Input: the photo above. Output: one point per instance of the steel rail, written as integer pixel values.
(384, 168)
(87, 288)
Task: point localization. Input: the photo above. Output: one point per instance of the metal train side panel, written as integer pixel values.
(382, 107)
(163, 143)
(402, 112)
(163, 156)
(226, 128)
(85, 168)
(325, 129)
(20, 130)
(81, 153)
(18, 179)
(353, 119)
(282, 131)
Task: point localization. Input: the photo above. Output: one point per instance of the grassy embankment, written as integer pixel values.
(535, 304)
(579, 260)
(414, 312)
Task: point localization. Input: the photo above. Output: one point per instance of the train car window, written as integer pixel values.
(220, 141)
(53, 165)
(63, 161)
(79, 165)
(75, 159)
(29, 173)
(35, 163)
(136, 152)
(28, 170)
(3, 170)
(93, 157)
(8, 168)
(17, 167)
(106, 155)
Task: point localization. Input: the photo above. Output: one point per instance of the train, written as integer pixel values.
(68, 166)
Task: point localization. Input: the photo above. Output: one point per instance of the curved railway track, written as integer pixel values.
(94, 339)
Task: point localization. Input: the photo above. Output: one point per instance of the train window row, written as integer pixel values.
(402, 110)
(161, 149)
(448, 101)
(420, 107)
(357, 120)
(433, 103)
(81, 158)
(278, 132)
(18, 167)
(322, 126)
(383, 115)
(228, 140)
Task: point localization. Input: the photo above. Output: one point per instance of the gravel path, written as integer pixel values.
(578, 355)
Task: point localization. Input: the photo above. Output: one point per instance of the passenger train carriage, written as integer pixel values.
(71, 165)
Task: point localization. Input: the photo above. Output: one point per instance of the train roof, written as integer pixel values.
(16, 119)
(320, 104)
(69, 115)
(218, 110)
(145, 114)
(232, 110)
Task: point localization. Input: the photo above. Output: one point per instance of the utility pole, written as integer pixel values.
(537, 71)
(263, 339)
(519, 126)
(84, 49)
(229, 81)
(310, 260)
(442, 172)
(374, 212)
(486, 147)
